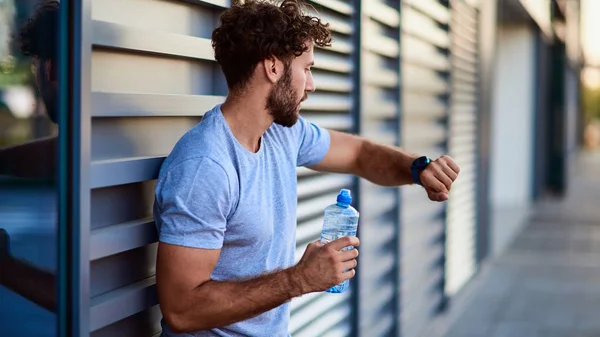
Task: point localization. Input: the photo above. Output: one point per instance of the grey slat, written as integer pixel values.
(144, 324)
(332, 62)
(329, 121)
(116, 271)
(327, 102)
(323, 184)
(216, 3)
(332, 82)
(112, 104)
(383, 46)
(335, 5)
(327, 321)
(315, 206)
(113, 172)
(383, 13)
(432, 8)
(420, 52)
(422, 26)
(310, 312)
(115, 239)
(308, 232)
(112, 35)
(124, 302)
(383, 79)
(340, 44)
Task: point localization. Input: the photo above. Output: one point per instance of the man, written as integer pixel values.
(36, 158)
(38, 39)
(226, 196)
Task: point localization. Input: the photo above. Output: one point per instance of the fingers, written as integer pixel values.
(451, 164)
(431, 182)
(351, 264)
(438, 178)
(348, 274)
(433, 196)
(314, 245)
(344, 242)
(443, 178)
(347, 255)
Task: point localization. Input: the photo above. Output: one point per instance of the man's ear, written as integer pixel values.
(273, 69)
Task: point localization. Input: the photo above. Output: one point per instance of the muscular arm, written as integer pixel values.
(191, 301)
(386, 165)
(31, 282)
(27, 280)
(381, 164)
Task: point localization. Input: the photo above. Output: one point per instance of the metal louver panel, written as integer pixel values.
(151, 80)
(379, 120)
(324, 314)
(147, 74)
(462, 206)
(425, 90)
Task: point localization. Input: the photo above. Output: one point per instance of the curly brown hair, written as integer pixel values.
(255, 30)
(38, 36)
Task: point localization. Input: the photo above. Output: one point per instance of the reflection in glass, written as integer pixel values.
(28, 166)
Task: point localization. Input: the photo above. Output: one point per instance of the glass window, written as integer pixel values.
(29, 170)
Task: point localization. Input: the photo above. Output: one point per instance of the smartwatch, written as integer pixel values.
(417, 166)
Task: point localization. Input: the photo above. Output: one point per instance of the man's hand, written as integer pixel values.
(323, 266)
(437, 178)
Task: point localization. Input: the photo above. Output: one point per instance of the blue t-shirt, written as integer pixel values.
(214, 193)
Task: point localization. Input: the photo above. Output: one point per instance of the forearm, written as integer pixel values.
(384, 165)
(31, 282)
(215, 304)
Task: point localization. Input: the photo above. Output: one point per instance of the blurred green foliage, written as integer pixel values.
(591, 102)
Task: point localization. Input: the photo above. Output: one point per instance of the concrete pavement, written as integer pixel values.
(547, 282)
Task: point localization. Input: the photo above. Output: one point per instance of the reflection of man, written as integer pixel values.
(37, 158)
(24, 278)
(226, 196)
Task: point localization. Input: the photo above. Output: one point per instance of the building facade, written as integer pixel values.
(492, 83)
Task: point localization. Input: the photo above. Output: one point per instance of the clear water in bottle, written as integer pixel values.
(340, 220)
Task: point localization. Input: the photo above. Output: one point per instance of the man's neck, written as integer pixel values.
(247, 118)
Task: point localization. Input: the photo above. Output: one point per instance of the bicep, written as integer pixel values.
(343, 153)
(180, 270)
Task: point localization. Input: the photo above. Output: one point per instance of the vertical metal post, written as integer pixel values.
(488, 22)
(75, 143)
(356, 129)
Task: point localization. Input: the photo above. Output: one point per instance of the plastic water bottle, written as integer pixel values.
(340, 220)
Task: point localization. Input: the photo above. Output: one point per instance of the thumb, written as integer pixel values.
(435, 196)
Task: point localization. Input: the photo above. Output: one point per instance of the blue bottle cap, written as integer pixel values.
(344, 197)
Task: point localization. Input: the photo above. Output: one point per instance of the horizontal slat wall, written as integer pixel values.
(380, 107)
(330, 106)
(462, 205)
(425, 88)
(153, 75)
(148, 73)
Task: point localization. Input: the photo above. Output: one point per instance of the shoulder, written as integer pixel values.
(204, 144)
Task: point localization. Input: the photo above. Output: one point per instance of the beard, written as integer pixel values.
(282, 103)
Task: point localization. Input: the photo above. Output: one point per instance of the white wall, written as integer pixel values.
(512, 132)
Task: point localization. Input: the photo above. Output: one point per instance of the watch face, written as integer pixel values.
(422, 161)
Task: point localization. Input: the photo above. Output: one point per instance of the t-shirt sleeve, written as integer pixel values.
(313, 143)
(192, 204)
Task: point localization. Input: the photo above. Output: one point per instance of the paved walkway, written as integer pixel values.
(547, 283)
